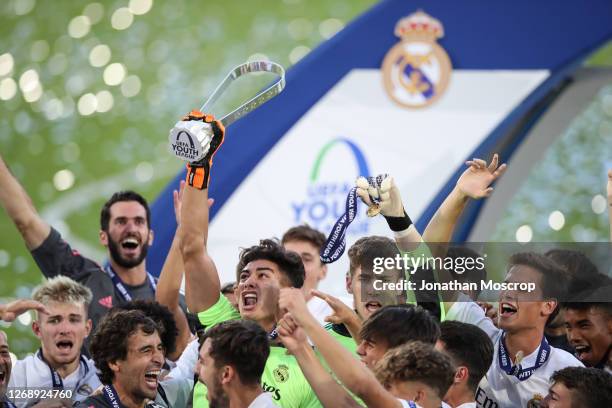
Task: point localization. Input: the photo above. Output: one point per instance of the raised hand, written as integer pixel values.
(177, 197)
(476, 180)
(10, 311)
(390, 204)
(292, 300)
(342, 313)
(291, 334)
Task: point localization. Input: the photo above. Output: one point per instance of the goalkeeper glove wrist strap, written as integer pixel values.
(398, 224)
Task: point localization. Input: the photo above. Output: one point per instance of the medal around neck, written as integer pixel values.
(190, 140)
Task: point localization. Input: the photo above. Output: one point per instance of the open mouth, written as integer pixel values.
(152, 377)
(581, 351)
(64, 345)
(249, 300)
(2, 376)
(372, 306)
(130, 243)
(507, 310)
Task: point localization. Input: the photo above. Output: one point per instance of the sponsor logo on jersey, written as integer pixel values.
(106, 302)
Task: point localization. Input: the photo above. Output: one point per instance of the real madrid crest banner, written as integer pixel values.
(378, 98)
(416, 71)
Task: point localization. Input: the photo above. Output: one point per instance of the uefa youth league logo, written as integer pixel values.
(416, 71)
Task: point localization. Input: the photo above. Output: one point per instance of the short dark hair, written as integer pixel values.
(469, 346)
(161, 315)
(582, 272)
(597, 296)
(118, 197)
(243, 344)
(228, 287)
(475, 274)
(304, 233)
(554, 279)
(109, 342)
(591, 386)
(363, 252)
(416, 361)
(398, 324)
(574, 262)
(288, 262)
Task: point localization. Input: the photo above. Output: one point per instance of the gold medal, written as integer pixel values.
(373, 210)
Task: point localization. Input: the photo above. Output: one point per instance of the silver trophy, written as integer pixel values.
(190, 140)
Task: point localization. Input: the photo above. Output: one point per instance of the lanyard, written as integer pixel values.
(111, 396)
(119, 285)
(7, 403)
(522, 373)
(56, 379)
(336, 243)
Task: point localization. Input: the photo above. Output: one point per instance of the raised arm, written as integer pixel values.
(169, 284)
(20, 209)
(10, 311)
(342, 314)
(353, 374)
(475, 182)
(328, 391)
(202, 285)
(407, 237)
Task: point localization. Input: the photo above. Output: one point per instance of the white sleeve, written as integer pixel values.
(185, 365)
(467, 311)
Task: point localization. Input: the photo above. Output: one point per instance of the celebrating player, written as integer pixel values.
(124, 230)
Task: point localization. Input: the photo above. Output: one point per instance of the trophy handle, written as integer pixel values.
(263, 96)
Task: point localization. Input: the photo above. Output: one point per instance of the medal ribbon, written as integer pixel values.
(7, 402)
(125, 294)
(336, 244)
(111, 396)
(56, 379)
(522, 373)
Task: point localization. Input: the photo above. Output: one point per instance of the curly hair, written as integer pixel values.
(591, 386)
(416, 361)
(289, 263)
(109, 342)
(161, 315)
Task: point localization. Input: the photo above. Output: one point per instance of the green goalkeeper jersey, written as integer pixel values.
(282, 376)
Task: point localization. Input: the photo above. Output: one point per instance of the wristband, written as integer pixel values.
(397, 224)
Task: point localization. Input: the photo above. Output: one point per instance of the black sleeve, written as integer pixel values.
(55, 257)
(427, 299)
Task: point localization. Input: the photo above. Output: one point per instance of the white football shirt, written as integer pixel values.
(33, 372)
(499, 389)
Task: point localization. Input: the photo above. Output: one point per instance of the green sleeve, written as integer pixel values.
(199, 396)
(219, 312)
(422, 251)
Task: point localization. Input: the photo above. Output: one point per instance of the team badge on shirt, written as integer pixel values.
(281, 373)
(416, 71)
(535, 401)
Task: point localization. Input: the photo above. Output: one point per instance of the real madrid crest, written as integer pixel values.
(281, 373)
(416, 71)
